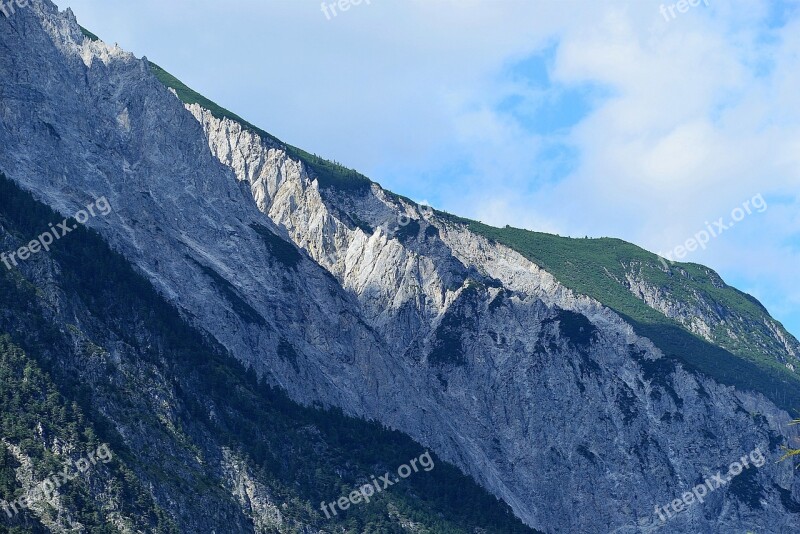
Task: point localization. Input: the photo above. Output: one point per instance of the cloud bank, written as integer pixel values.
(572, 117)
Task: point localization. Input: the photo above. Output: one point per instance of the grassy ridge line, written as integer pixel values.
(328, 173)
(582, 265)
(581, 268)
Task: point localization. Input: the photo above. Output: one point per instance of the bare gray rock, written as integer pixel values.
(546, 397)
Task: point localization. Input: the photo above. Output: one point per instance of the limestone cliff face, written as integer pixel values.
(527, 350)
(546, 397)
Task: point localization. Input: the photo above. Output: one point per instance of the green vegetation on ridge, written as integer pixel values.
(328, 173)
(598, 268)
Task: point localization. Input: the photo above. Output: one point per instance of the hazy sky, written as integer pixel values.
(628, 119)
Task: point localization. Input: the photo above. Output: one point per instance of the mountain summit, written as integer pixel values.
(246, 311)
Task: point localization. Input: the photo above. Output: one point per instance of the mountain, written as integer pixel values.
(286, 328)
(199, 443)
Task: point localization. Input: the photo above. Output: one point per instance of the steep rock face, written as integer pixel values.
(199, 444)
(386, 275)
(521, 339)
(177, 213)
(547, 398)
(251, 494)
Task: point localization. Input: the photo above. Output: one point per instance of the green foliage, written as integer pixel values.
(329, 174)
(303, 455)
(33, 407)
(89, 34)
(598, 268)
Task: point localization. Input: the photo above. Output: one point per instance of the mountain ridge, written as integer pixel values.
(510, 237)
(428, 327)
(266, 441)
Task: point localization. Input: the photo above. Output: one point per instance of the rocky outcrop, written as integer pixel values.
(366, 301)
(506, 337)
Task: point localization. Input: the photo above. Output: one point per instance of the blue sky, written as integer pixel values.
(574, 117)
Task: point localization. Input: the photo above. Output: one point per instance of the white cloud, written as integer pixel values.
(702, 112)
